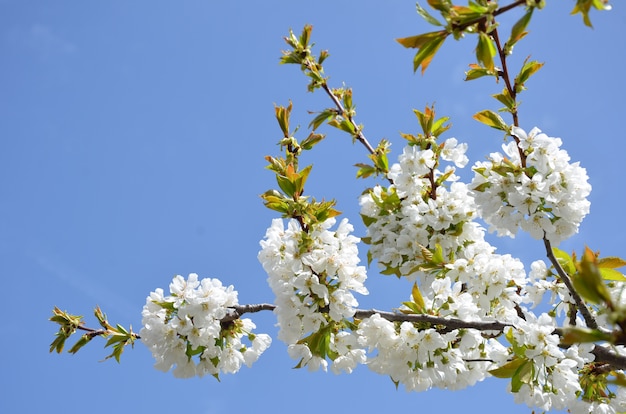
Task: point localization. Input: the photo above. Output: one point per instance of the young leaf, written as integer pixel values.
(310, 141)
(491, 119)
(477, 71)
(576, 335)
(418, 299)
(282, 116)
(506, 99)
(588, 280)
(522, 376)
(485, 51)
(612, 274)
(565, 260)
(518, 31)
(529, 69)
(583, 7)
(430, 19)
(428, 44)
(322, 117)
(285, 184)
(611, 262)
(84, 340)
(508, 370)
(365, 170)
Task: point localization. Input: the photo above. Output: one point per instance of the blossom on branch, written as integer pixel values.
(545, 196)
(188, 330)
(313, 276)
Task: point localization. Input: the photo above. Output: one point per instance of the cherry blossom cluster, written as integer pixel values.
(546, 196)
(313, 276)
(423, 227)
(413, 213)
(186, 330)
(421, 359)
(424, 210)
(427, 211)
(549, 375)
(410, 217)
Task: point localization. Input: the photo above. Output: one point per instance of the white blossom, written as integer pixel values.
(184, 330)
(546, 196)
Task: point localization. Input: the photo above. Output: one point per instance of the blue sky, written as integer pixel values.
(133, 137)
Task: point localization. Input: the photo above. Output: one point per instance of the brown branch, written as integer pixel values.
(449, 323)
(499, 11)
(604, 354)
(507, 80)
(359, 134)
(580, 304)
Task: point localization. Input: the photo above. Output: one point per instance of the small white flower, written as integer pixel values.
(184, 330)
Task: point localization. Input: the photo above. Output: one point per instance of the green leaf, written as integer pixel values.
(84, 340)
(306, 35)
(519, 350)
(576, 335)
(344, 125)
(312, 140)
(588, 281)
(365, 170)
(611, 262)
(508, 370)
(286, 185)
(322, 117)
(58, 343)
(368, 221)
(441, 5)
(302, 176)
(437, 257)
(418, 299)
(518, 31)
(506, 99)
(485, 51)
(440, 126)
(389, 271)
(612, 274)
(282, 116)
(491, 119)
(427, 43)
(584, 6)
(529, 69)
(275, 201)
(565, 260)
(426, 16)
(477, 71)
(522, 376)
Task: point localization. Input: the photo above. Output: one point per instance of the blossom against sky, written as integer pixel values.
(133, 141)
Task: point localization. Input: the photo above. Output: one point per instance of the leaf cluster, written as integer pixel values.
(478, 18)
(592, 276)
(288, 199)
(118, 336)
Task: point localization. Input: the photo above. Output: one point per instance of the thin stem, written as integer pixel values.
(580, 304)
(100, 332)
(359, 136)
(509, 7)
(495, 13)
(505, 75)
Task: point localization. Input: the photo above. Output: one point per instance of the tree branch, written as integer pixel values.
(580, 304)
(604, 354)
(449, 323)
(359, 135)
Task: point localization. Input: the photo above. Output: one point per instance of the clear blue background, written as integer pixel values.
(132, 141)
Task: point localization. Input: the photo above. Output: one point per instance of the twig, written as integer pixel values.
(359, 135)
(584, 311)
